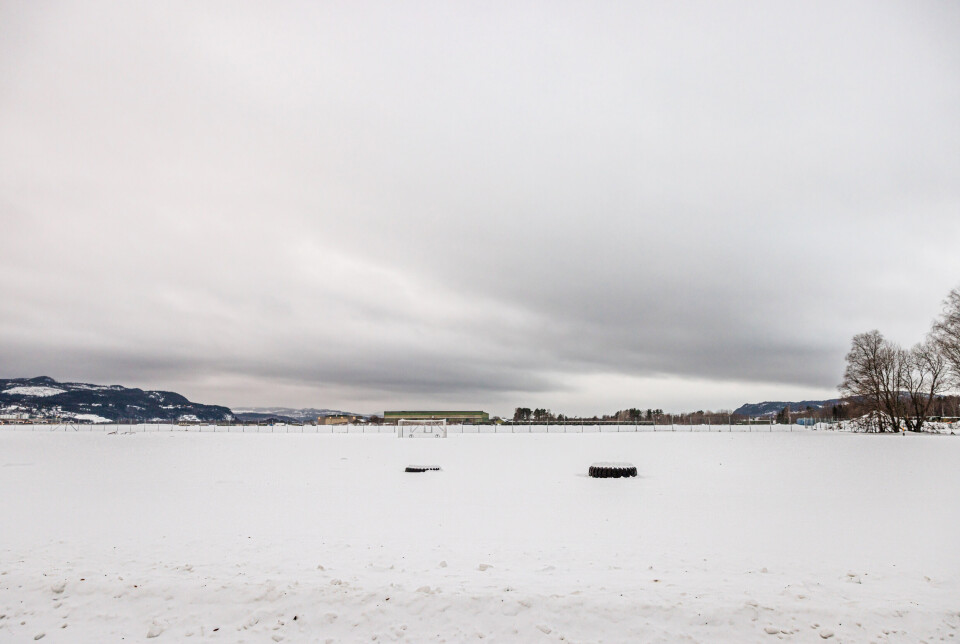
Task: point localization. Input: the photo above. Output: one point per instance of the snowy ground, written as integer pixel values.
(729, 537)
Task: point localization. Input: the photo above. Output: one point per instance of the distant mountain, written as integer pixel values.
(252, 417)
(286, 414)
(44, 397)
(772, 408)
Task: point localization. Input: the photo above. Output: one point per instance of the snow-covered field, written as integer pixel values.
(730, 537)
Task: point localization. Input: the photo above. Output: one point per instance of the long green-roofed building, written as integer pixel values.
(449, 416)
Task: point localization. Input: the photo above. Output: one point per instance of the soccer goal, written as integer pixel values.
(424, 428)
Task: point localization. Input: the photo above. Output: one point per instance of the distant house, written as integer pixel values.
(449, 416)
(337, 419)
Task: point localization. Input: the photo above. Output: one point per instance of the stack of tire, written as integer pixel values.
(422, 468)
(612, 470)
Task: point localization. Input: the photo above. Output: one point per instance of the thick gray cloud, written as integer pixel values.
(373, 205)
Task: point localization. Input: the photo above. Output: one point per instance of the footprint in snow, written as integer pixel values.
(155, 630)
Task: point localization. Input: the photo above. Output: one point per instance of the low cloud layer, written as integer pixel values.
(487, 205)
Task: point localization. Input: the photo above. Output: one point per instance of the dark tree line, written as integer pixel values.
(539, 415)
(636, 415)
(632, 415)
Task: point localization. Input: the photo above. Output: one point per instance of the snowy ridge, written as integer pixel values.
(772, 408)
(45, 398)
(304, 414)
(38, 392)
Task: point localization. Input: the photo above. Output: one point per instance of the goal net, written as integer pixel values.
(410, 428)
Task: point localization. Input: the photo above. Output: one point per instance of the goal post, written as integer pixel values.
(422, 428)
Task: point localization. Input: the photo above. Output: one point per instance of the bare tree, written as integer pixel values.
(860, 381)
(891, 387)
(874, 377)
(924, 381)
(896, 363)
(946, 333)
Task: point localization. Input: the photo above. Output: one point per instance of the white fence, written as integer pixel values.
(391, 429)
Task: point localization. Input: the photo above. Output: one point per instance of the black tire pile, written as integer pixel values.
(422, 468)
(612, 470)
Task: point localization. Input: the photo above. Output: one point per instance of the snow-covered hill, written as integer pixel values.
(303, 415)
(44, 397)
(772, 408)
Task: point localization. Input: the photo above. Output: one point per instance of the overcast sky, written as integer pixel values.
(574, 205)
